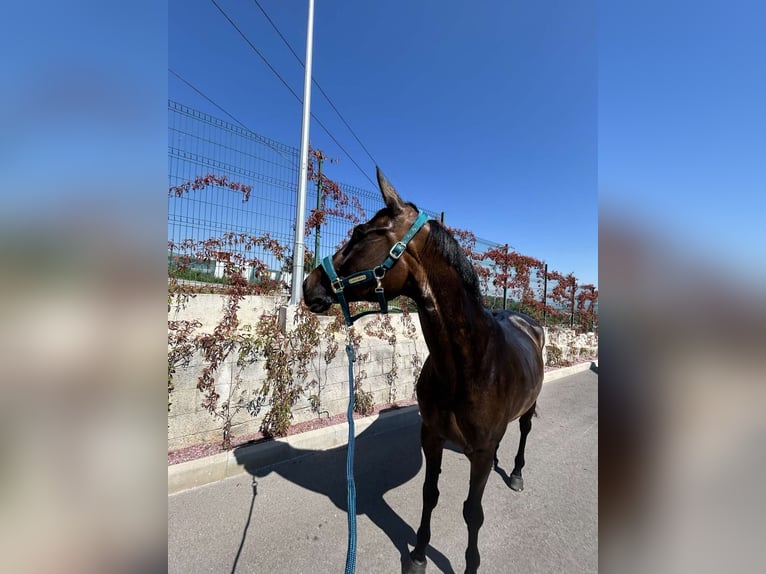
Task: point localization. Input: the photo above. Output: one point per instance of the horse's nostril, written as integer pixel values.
(315, 296)
(318, 304)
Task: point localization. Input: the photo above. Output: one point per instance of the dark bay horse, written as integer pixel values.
(484, 369)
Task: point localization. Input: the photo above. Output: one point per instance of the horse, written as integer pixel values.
(484, 369)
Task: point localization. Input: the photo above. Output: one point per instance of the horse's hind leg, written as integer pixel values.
(433, 446)
(481, 464)
(525, 425)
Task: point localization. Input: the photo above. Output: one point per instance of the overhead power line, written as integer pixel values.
(276, 73)
(188, 83)
(209, 99)
(249, 43)
(297, 57)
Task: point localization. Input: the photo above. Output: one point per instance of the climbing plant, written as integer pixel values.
(296, 353)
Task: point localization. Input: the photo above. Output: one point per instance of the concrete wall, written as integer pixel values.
(570, 347)
(190, 424)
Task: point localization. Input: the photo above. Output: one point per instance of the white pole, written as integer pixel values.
(300, 211)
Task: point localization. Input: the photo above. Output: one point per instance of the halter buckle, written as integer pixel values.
(337, 285)
(397, 250)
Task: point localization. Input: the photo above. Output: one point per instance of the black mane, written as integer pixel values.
(448, 247)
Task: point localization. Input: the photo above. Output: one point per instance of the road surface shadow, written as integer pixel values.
(380, 465)
(254, 486)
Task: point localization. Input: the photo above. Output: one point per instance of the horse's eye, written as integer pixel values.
(357, 234)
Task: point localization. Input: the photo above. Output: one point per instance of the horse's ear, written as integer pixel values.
(390, 197)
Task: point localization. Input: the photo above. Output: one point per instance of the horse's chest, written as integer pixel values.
(467, 421)
(470, 402)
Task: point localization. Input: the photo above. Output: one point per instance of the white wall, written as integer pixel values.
(190, 424)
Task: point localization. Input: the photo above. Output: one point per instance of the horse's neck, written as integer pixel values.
(455, 325)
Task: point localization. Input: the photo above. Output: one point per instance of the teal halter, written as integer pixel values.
(361, 277)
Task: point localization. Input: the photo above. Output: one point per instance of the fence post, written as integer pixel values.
(571, 316)
(505, 283)
(320, 206)
(545, 294)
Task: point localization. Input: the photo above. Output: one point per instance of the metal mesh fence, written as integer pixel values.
(200, 144)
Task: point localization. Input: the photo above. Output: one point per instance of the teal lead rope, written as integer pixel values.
(338, 285)
(351, 501)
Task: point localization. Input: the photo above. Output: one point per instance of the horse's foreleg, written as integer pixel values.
(481, 464)
(525, 425)
(433, 446)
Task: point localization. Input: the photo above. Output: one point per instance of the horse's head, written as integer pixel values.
(377, 248)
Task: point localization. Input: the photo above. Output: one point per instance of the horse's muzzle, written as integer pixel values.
(317, 296)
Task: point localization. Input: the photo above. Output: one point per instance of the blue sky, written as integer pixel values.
(486, 111)
(682, 127)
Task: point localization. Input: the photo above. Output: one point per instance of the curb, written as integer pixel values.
(566, 371)
(200, 472)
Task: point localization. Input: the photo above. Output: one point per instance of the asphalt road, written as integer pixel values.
(291, 517)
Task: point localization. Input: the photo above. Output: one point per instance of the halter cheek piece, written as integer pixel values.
(368, 275)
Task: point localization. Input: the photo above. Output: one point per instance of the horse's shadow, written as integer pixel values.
(380, 464)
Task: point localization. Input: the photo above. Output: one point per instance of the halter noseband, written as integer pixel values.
(361, 277)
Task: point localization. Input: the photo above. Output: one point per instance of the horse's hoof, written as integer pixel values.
(416, 566)
(516, 483)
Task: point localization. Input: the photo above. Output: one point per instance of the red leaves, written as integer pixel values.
(580, 303)
(586, 300)
(466, 239)
(231, 251)
(201, 182)
(315, 219)
(564, 292)
(514, 271)
(335, 202)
